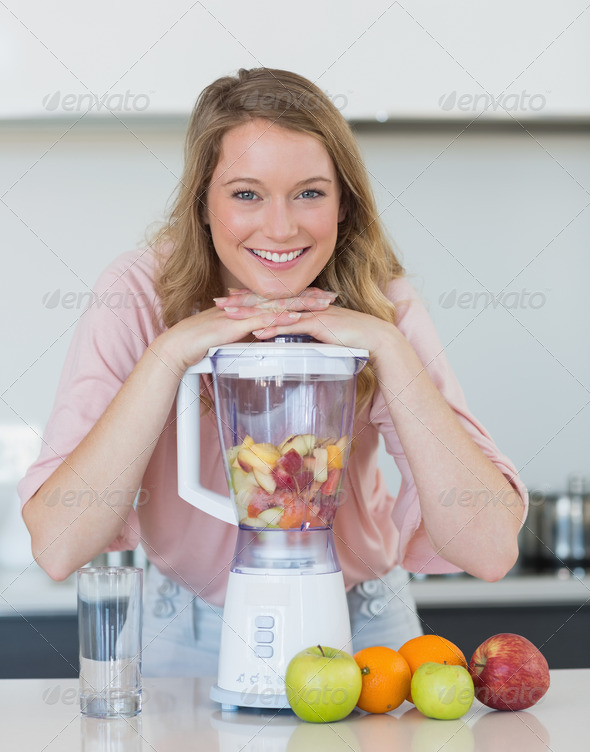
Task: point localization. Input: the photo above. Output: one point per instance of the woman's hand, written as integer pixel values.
(187, 342)
(319, 318)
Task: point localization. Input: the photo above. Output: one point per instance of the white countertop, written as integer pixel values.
(31, 592)
(514, 590)
(42, 714)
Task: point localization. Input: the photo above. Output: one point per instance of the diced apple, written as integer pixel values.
(242, 498)
(309, 441)
(242, 480)
(320, 471)
(248, 461)
(268, 453)
(271, 516)
(283, 443)
(232, 455)
(247, 442)
(253, 522)
(265, 481)
(298, 443)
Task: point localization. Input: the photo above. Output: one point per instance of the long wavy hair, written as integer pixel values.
(363, 262)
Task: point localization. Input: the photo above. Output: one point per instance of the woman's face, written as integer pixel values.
(273, 207)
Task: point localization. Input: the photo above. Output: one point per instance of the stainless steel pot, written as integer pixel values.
(556, 535)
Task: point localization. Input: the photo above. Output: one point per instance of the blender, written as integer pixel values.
(285, 412)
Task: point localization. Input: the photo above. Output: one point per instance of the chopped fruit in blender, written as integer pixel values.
(271, 516)
(331, 484)
(297, 443)
(232, 456)
(268, 453)
(248, 461)
(320, 472)
(265, 481)
(292, 486)
(284, 444)
(252, 522)
(286, 468)
(242, 480)
(334, 457)
(310, 441)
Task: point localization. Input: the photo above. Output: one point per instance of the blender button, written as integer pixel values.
(264, 622)
(264, 651)
(265, 636)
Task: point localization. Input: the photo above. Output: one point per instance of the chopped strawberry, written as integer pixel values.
(330, 485)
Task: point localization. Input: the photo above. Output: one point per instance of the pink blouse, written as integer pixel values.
(374, 529)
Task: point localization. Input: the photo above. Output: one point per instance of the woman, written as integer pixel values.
(274, 230)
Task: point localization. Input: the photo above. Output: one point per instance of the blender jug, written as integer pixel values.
(285, 413)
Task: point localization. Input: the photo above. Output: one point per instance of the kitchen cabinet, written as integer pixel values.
(559, 631)
(41, 646)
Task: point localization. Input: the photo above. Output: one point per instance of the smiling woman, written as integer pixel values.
(283, 217)
(274, 230)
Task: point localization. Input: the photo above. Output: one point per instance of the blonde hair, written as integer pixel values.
(363, 262)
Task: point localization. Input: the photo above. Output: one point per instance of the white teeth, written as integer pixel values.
(277, 258)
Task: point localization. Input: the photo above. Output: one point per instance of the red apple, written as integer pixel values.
(509, 672)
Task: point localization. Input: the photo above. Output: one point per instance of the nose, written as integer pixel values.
(280, 223)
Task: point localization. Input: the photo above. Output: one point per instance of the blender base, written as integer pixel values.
(232, 701)
(268, 618)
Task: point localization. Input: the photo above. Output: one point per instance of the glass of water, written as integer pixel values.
(109, 628)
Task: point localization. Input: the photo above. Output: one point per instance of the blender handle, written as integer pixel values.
(188, 431)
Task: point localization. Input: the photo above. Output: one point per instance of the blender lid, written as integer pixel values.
(258, 359)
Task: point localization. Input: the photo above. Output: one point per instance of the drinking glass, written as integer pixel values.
(109, 627)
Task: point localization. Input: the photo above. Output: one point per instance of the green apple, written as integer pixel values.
(442, 691)
(322, 684)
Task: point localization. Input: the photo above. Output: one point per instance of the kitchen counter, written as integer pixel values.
(32, 592)
(517, 590)
(42, 714)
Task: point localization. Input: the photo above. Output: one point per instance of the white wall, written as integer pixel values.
(497, 212)
(376, 58)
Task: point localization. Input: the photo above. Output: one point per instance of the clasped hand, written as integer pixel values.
(318, 317)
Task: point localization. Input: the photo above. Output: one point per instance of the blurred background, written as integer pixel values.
(473, 120)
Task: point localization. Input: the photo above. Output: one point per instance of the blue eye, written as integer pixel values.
(311, 190)
(240, 194)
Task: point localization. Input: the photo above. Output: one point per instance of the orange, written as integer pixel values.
(431, 648)
(385, 679)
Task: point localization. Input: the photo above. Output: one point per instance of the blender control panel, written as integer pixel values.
(264, 635)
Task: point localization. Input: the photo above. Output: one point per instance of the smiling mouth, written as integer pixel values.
(278, 257)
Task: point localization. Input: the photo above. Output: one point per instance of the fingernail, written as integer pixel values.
(257, 332)
(219, 301)
(293, 315)
(231, 309)
(233, 289)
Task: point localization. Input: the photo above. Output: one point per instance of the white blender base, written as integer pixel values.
(267, 619)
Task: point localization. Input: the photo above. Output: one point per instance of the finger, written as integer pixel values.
(310, 299)
(267, 320)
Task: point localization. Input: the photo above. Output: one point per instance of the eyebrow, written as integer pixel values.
(316, 179)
